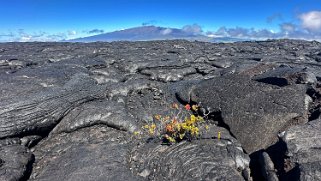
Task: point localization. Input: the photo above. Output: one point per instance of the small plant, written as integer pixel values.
(183, 123)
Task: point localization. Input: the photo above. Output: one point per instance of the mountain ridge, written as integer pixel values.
(147, 33)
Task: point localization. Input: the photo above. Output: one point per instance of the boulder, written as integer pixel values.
(286, 75)
(38, 113)
(303, 147)
(268, 170)
(94, 153)
(15, 162)
(99, 112)
(209, 158)
(254, 112)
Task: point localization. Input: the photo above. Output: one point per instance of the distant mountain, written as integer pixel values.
(143, 33)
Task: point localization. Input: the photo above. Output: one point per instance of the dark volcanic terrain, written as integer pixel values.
(69, 111)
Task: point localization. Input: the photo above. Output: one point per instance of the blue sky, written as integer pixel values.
(50, 20)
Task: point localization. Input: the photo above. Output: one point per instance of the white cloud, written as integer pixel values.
(311, 21)
(166, 31)
(22, 36)
(240, 32)
(212, 35)
(55, 37)
(72, 32)
(287, 27)
(222, 31)
(309, 29)
(25, 38)
(193, 29)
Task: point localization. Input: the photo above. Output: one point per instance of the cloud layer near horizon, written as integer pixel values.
(308, 28)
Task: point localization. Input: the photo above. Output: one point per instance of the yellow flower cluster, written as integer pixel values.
(151, 128)
(176, 128)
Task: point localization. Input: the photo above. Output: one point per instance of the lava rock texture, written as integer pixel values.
(70, 111)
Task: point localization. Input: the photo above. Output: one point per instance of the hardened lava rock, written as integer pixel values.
(68, 111)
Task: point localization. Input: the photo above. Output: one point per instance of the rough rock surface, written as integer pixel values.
(250, 108)
(69, 111)
(91, 153)
(40, 112)
(196, 160)
(304, 149)
(286, 75)
(268, 170)
(15, 162)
